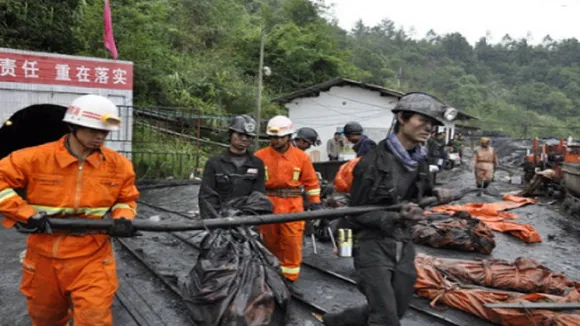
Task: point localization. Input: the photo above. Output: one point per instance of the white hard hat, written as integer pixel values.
(280, 126)
(93, 111)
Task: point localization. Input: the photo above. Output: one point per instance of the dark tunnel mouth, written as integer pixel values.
(32, 126)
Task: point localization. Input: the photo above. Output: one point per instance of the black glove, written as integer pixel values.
(315, 207)
(309, 228)
(37, 223)
(123, 228)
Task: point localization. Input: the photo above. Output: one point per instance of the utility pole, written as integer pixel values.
(259, 100)
(399, 75)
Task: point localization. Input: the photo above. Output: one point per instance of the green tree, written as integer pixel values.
(42, 25)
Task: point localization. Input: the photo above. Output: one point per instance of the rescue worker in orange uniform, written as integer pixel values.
(288, 169)
(484, 161)
(66, 275)
(344, 176)
(305, 138)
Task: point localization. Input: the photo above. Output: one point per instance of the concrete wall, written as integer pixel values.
(332, 109)
(15, 97)
(18, 91)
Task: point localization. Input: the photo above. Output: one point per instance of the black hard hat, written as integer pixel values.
(244, 124)
(427, 105)
(308, 134)
(352, 127)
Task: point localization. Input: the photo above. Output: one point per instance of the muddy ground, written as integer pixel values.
(157, 306)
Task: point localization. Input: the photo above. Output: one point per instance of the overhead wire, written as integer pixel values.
(376, 113)
(527, 125)
(341, 125)
(357, 101)
(383, 107)
(307, 120)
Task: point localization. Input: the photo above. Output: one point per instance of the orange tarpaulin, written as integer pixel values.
(432, 284)
(525, 232)
(523, 275)
(494, 215)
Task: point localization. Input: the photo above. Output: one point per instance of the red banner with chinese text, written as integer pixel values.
(34, 68)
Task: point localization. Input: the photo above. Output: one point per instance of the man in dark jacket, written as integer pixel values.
(353, 131)
(234, 173)
(397, 171)
(436, 148)
(305, 138)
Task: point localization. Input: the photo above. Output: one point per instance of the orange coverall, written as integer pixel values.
(61, 269)
(343, 179)
(485, 161)
(291, 169)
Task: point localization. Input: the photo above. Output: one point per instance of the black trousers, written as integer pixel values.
(483, 184)
(387, 283)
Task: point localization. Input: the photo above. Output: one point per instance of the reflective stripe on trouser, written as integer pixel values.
(285, 240)
(51, 285)
(313, 192)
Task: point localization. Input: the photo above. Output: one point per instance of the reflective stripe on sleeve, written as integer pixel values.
(7, 193)
(125, 206)
(51, 210)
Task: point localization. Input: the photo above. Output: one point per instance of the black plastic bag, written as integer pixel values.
(460, 231)
(236, 280)
(255, 204)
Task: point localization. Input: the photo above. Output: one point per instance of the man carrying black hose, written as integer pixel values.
(234, 173)
(396, 171)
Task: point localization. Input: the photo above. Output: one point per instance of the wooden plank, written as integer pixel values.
(536, 305)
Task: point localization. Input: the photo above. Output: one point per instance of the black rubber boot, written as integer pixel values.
(293, 288)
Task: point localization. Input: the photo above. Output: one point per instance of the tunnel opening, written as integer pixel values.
(32, 126)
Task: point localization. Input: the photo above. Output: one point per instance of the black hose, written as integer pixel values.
(83, 224)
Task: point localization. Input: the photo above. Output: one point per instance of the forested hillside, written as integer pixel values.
(205, 53)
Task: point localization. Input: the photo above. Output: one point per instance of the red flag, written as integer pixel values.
(108, 37)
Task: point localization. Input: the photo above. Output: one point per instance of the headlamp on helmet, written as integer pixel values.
(274, 130)
(450, 114)
(111, 120)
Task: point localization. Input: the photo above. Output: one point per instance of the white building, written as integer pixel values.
(36, 88)
(328, 106)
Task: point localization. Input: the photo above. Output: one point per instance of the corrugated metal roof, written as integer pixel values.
(316, 89)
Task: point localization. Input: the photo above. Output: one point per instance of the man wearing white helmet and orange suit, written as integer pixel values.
(288, 169)
(67, 275)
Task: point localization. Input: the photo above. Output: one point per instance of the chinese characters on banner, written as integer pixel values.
(57, 70)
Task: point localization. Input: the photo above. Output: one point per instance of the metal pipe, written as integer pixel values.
(314, 244)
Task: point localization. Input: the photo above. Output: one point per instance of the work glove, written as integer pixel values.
(315, 207)
(444, 195)
(123, 228)
(309, 228)
(412, 212)
(37, 223)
